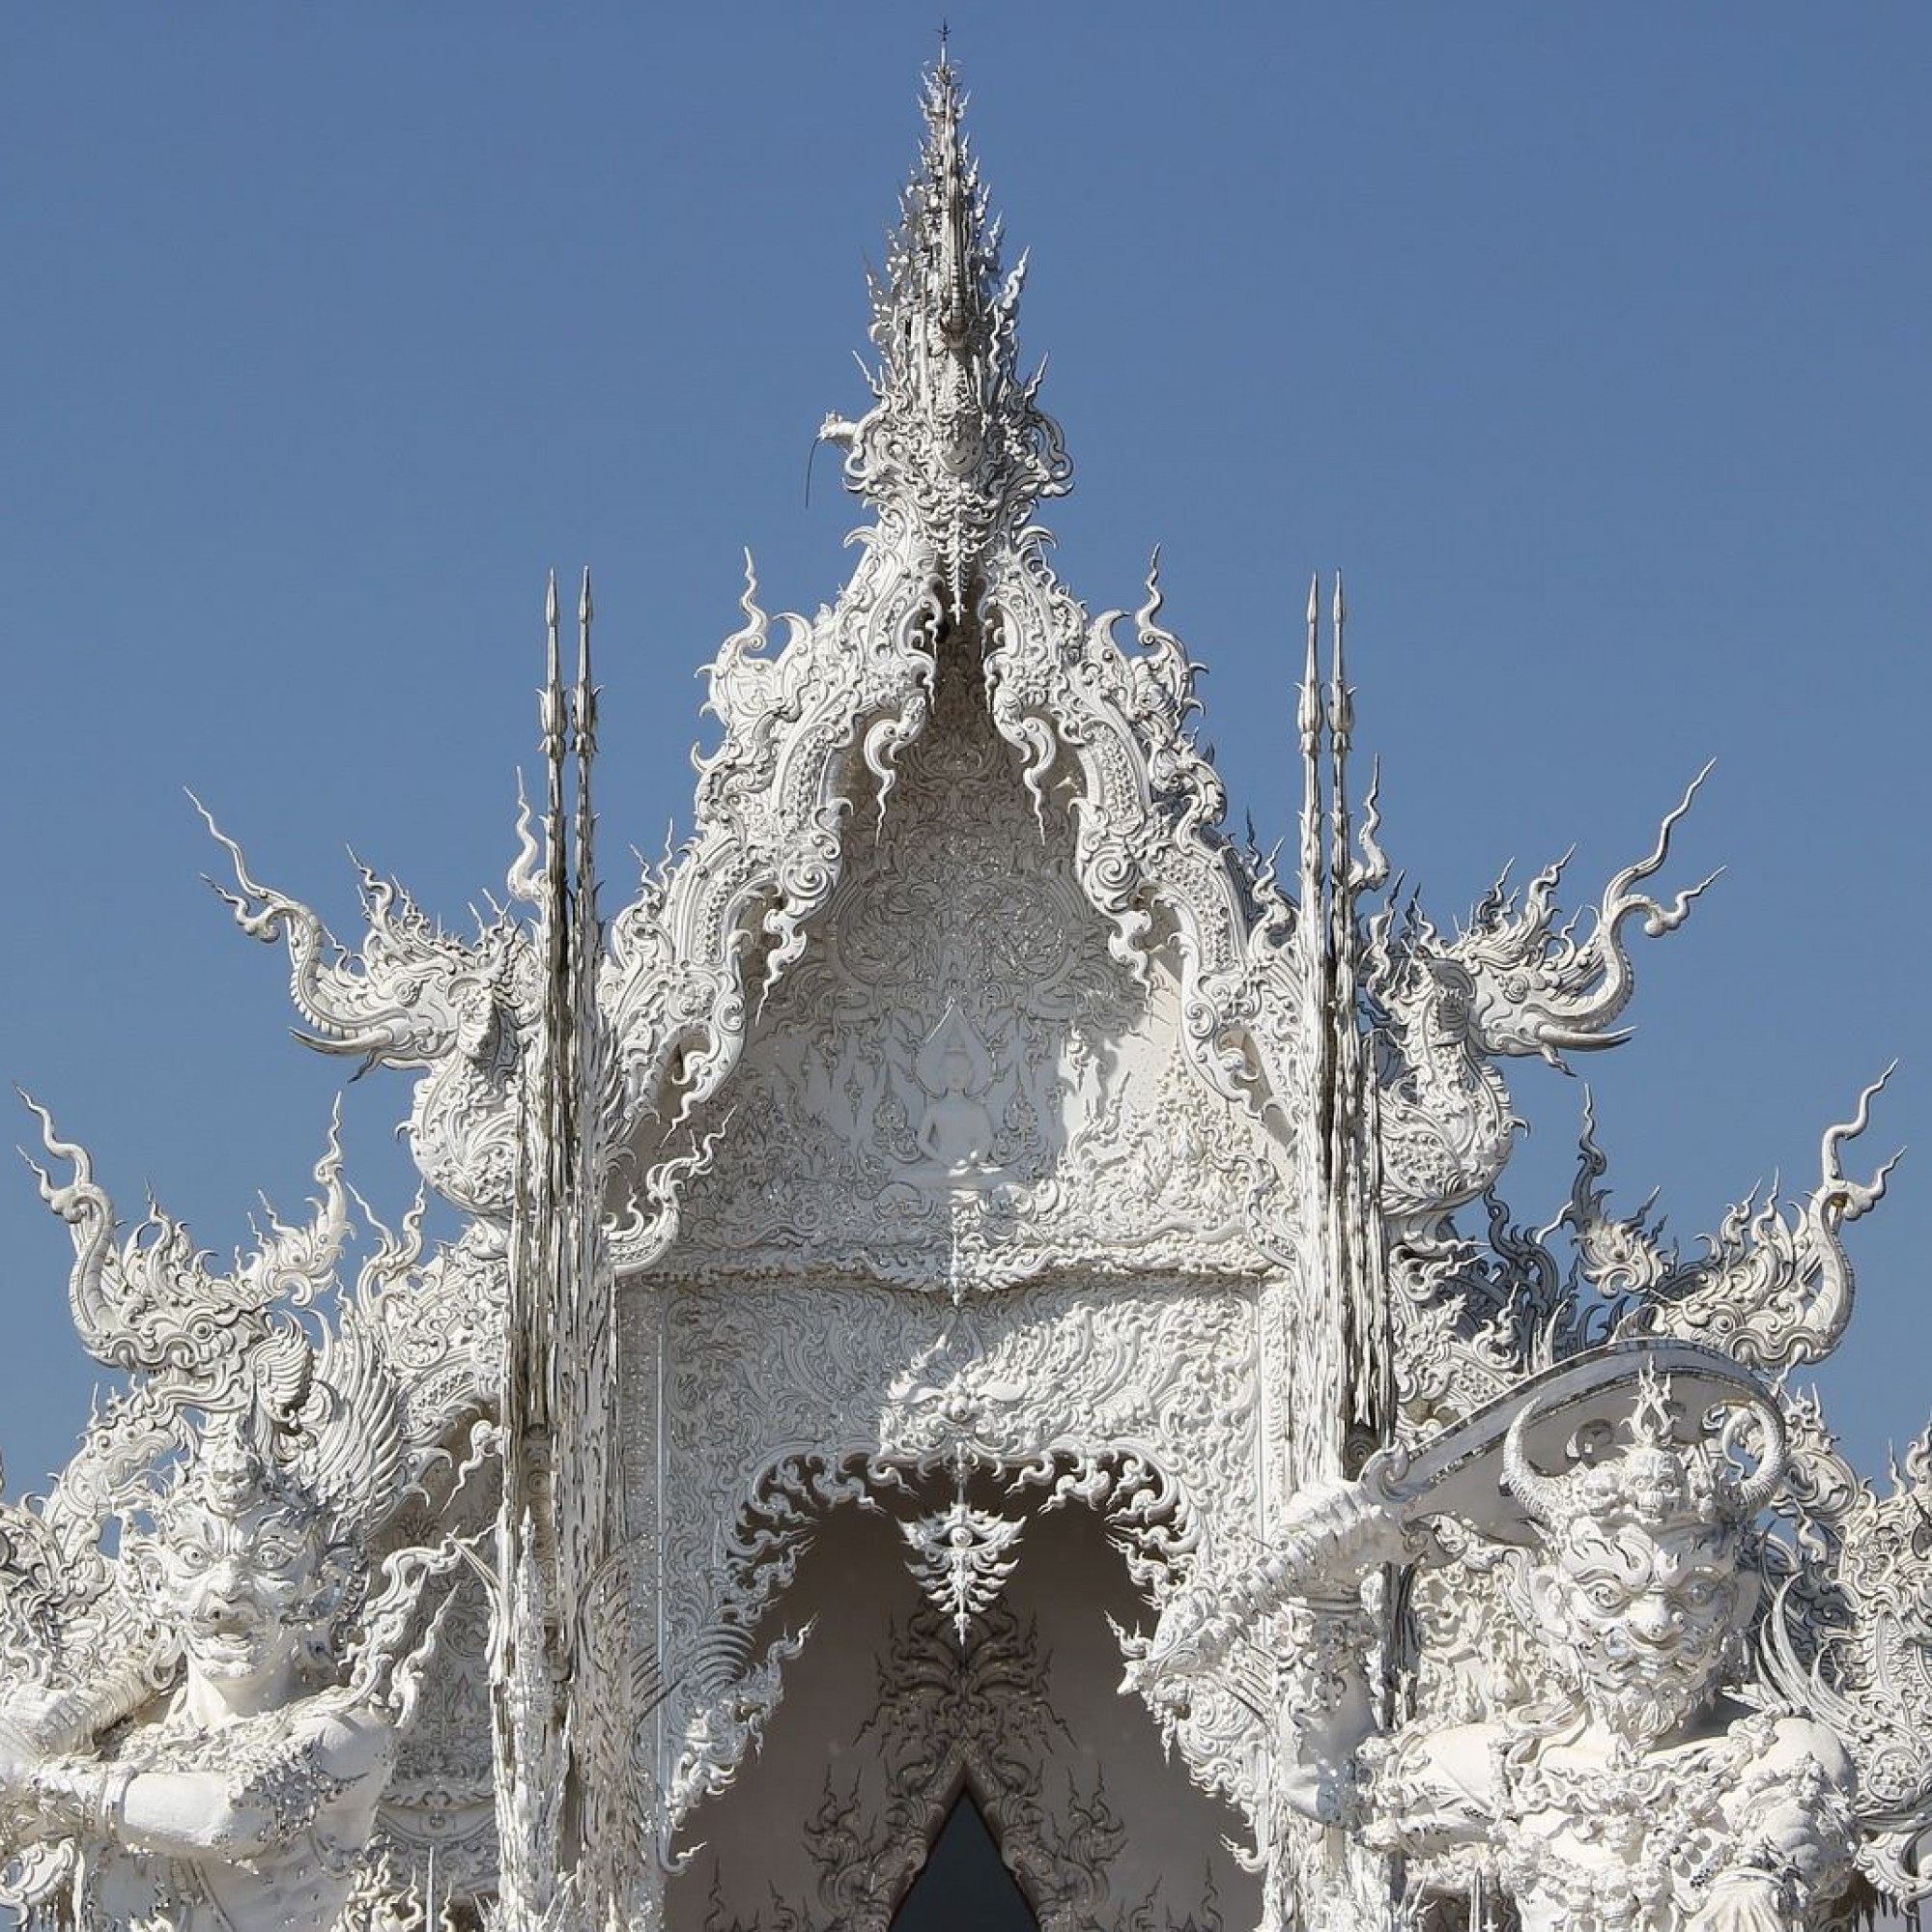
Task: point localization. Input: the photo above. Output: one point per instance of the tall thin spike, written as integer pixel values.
(1318, 969)
(528, 1740)
(587, 938)
(556, 1085)
(552, 1106)
(1308, 722)
(1344, 1039)
(553, 655)
(553, 719)
(1341, 731)
(587, 698)
(1353, 1214)
(595, 1703)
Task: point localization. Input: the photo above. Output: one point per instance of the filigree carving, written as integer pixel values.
(1771, 1291)
(1103, 735)
(961, 1556)
(955, 452)
(205, 1676)
(1850, 1644)
(435, 1829)
(1641, 1796)
(957, 1086)
(1138, 1398)
(242, 1796)
(962, 1103)
(153, 1306)
(977, 1719)
(417, 997)
(1514, 984)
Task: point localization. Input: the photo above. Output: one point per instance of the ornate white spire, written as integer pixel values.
(955, 452)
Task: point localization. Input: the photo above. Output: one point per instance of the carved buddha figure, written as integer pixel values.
(242, 1798)
(957, 1131)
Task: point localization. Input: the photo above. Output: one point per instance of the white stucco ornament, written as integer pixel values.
(966, 1240)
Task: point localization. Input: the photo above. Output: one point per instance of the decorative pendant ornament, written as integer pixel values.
(961, 1556)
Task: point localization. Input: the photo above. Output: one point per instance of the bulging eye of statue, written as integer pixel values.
(277, 1546)
(1605, 1595)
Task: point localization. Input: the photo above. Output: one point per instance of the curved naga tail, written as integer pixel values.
(1772, 1292)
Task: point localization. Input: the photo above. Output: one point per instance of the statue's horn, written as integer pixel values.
(1540, 1494)
(1745, 1497)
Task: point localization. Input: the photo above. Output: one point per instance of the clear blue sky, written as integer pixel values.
(1590, 342)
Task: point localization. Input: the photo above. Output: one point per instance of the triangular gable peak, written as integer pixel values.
(1330, 1036)
(954, 587)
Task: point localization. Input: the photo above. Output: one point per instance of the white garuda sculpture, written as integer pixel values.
(1643, 1794)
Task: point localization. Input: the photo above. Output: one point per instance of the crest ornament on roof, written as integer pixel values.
(955, 449)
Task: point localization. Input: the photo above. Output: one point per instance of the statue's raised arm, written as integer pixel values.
(1650, 1790)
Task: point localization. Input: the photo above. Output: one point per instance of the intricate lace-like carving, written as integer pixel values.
(962, 950)
(1048, 1142)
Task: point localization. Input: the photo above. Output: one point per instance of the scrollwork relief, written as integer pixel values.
(958, 1084)
(1136, 1397)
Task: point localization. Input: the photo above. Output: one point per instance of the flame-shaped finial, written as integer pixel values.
(955, 446)
(952, 217)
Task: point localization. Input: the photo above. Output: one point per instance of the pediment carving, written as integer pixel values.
(960, 1083)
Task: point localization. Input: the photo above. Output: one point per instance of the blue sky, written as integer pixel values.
(1590, 343)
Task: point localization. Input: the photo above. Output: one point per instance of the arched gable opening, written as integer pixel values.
(964, 1885)
(910, 1771)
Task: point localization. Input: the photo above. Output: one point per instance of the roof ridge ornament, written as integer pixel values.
(954, 451)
